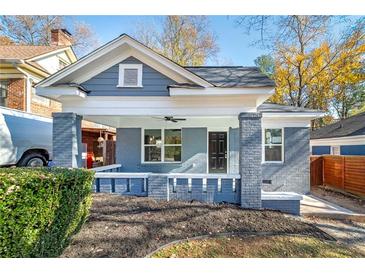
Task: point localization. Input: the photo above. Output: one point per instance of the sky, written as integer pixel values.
(234, 45)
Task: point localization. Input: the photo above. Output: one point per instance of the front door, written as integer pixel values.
(217, 152)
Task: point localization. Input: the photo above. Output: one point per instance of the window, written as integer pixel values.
(161, 145)
(130, 75)
(4, 85)
(273, 145)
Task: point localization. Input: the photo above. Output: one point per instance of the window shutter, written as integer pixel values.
(130, 77)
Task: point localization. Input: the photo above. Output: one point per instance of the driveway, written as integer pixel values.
(121, 226)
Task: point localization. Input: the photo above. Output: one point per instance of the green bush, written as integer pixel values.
(41, 208)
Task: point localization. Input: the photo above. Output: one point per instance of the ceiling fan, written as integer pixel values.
(170, 119)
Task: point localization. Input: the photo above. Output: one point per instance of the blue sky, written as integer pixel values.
(233, 43)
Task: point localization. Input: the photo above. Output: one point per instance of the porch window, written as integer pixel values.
(273, 145)
(130, 75)
(162, 145)
(4, 85)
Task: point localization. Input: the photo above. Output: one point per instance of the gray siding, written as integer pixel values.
(194, 151)
(286, 206)
(105, 83)
(293, 174)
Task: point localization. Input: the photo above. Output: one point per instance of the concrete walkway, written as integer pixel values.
(316, 207)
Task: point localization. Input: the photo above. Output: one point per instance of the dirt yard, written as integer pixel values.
(121, 226)
(351, 202)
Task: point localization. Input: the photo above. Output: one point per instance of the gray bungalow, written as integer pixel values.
(195, 133)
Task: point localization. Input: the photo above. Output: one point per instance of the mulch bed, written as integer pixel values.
(121, 226)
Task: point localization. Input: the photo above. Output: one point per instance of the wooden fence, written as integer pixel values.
(346, 173)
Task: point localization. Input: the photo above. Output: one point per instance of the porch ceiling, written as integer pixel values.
(159, 121)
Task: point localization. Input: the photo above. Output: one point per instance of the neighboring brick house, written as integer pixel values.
(22, 66)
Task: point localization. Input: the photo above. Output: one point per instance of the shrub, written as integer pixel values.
(41, 208)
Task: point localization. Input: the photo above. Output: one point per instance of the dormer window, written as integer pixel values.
(130, 76)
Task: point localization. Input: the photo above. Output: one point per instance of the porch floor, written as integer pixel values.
(122, 226)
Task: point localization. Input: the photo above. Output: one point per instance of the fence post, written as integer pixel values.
(343, 172)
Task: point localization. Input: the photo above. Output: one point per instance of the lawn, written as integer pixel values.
(258, 247)
(120, 226)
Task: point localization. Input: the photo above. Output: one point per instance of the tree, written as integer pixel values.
(36, 30)
(5, 41)
(312, 67)
(186, 40)
(266, 64)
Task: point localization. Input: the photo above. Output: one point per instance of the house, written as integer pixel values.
(22, 66)
(345, 137)
(200, 133)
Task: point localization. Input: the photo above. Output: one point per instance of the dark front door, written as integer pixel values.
(217, 152)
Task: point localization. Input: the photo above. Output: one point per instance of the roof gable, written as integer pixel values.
(114, 52)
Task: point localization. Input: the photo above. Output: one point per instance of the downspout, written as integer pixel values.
(28, 91)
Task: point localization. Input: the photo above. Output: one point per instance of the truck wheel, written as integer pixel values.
(33, 160)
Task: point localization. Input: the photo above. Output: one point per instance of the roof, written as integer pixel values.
(108, 47)
(354, 125)
(270, 107)
(232, 76)
(25, 52)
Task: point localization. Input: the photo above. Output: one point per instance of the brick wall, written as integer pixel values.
(250, 159)
(44, 110)
(67, 147)
(16, 94)
(293, 174)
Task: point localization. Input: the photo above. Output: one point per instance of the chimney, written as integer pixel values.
(61, 37)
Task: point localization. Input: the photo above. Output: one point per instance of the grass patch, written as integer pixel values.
(258, 247)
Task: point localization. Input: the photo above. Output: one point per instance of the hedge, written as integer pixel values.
(41, 208)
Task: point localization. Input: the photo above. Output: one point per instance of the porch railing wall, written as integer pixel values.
(215, 188)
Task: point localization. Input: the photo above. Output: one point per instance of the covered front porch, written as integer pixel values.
(215, 159)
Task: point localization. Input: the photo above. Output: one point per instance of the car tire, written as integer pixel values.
(33, 160)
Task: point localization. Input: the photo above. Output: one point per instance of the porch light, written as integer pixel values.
(100, 141)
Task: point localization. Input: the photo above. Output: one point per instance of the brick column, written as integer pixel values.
(67, 146)
(250, 159)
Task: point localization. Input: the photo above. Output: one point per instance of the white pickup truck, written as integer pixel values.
(25, 139)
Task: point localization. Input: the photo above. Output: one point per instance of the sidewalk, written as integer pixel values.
(312, 206)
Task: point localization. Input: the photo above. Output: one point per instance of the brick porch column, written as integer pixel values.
(66, 140)
(250, 154)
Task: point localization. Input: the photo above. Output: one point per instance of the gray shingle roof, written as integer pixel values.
(233, 76)
(354, 125)
(269, 107)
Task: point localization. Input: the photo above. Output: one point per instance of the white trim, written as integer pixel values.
(124, 39)
(122, 68)
(103, 168)
(162, 129)
(156, 105)
(311, 115)
(338, 141)
(108, 175)
(56, 92)
(263, 161)
(66, 48)
(203, 175)
(217, 91)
